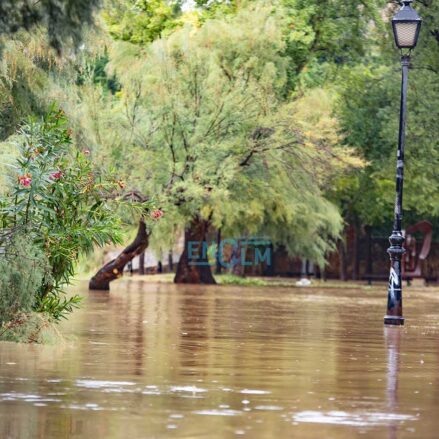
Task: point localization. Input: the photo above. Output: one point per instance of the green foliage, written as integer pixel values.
(94, 70)
(32, 76)
(206, 109)
(141, 21)
(422, 151)
(23, 269)
(208, 9)
(365, 108)
(317, 34)
(58, 307)
(368, 111)
(60, 203)
(63, 19)
(337, 30)
(321, 35)
(251, 113)
(22, 85)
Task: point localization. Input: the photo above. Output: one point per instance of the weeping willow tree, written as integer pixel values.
(281, 192)
(202, 123)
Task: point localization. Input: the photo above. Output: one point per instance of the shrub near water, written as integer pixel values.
(58, 207)
(23, 269)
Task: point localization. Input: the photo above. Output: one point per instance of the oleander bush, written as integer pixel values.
(58, 207)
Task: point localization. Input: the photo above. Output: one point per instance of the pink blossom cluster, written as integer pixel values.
(56, 175)
(156, 214)
(25, 180)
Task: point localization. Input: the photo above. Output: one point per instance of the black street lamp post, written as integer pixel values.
(406, 26)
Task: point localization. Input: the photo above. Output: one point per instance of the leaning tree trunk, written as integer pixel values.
(114, 269)
(193, 266)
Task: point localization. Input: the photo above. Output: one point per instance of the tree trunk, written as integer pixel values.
(114, 269)
(193, 266)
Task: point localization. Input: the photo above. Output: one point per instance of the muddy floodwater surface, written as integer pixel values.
(161, 361)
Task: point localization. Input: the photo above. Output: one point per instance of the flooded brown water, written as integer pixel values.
(160, 361)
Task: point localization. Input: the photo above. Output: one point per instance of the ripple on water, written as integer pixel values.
(272, 408)
(176, 416)
(107, 386)
(254, 392)
(88, 406)
(15, 396)
(216, 412)
(353, 419)
(189, 389)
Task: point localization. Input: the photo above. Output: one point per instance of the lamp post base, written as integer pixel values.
(394, 320)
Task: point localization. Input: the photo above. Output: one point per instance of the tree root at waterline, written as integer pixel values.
(193, 266)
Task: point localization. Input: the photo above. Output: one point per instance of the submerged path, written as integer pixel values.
(161, 361)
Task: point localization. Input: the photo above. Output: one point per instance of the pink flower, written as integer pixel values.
(86, 152)
(156, 214)
(56, 175)
(25, 180)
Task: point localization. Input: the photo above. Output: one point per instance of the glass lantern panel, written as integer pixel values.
(406, 34)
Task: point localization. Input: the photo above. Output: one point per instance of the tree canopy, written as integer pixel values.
(205, 109)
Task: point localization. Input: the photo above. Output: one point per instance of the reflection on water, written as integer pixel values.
(160, 361)
(393, 340)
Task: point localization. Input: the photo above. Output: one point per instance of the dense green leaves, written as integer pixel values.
(206, 109)
(368, 110)
(141, 21)
(61, 204)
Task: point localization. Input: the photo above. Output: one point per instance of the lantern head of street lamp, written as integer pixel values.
(406, 26)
